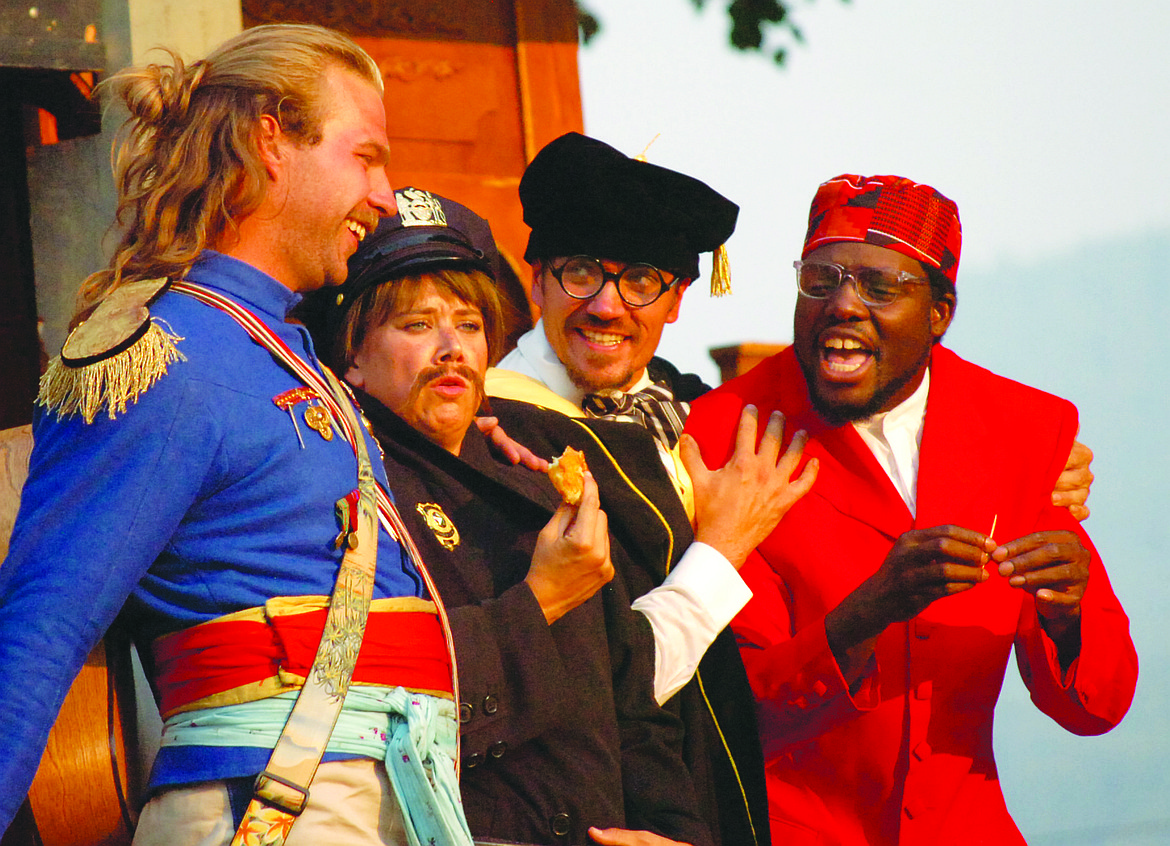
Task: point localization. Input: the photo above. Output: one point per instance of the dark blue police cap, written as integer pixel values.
(428, 233)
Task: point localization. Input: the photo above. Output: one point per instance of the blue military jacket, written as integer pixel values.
(204, 497)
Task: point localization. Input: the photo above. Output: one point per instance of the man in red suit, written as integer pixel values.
(886, 603)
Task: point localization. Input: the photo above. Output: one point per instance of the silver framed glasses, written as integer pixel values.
(874, 286)
(583, 277)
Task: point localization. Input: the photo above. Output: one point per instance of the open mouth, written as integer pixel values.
(600, 339)
(450, 384)
(844, 357)
(358, 229)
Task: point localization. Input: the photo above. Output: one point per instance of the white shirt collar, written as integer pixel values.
(895, 437)
(909, 413)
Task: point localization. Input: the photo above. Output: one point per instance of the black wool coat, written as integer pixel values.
(560, 729)
(721, 744)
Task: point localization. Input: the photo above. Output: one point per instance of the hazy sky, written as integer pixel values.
(1048, 123)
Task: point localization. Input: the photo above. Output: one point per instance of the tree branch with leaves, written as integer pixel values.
(753, 22)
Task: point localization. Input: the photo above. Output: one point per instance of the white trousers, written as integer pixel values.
(351, 803)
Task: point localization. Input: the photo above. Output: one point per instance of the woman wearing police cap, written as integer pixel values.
(560, 729)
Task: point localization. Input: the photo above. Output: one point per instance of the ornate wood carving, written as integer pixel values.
(489, 23)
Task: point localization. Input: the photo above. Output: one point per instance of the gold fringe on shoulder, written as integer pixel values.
(113, 382)
(720, 273)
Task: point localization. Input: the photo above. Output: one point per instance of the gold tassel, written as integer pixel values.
(641, 157)
(113, 382)
(720, 273)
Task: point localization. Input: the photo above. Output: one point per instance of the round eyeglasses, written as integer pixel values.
(874, 286)
(583, 277)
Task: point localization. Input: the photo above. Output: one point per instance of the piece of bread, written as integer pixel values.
(567, 473)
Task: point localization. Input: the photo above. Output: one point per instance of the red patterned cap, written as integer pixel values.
(887, 211)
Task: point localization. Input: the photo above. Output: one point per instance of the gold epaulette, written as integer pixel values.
(112, 357)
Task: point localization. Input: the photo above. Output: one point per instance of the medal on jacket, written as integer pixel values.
(317, 417)
(439, 523)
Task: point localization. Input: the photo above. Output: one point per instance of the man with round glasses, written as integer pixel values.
(583, 277)
(886, 604)
(615, 242)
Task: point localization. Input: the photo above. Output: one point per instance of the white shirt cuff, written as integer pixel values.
(687, 611)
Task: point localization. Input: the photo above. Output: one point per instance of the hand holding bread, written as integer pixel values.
(567, 473)
(571, 561)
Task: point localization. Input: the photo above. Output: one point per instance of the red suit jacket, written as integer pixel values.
(907, 757)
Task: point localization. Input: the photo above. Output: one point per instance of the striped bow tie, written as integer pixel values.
(653, 407)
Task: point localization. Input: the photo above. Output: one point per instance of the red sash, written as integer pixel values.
(254, 654)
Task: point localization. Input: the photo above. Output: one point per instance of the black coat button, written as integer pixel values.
(473, 760)
(466, 709)
(490, 705)
(559, 824)
(497, 749)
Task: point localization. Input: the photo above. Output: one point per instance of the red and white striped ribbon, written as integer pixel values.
(329, 388)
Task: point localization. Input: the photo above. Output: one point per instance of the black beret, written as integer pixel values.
(583, 197)
(428, 233)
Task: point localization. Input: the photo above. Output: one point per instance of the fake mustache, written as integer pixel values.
(441, 371)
